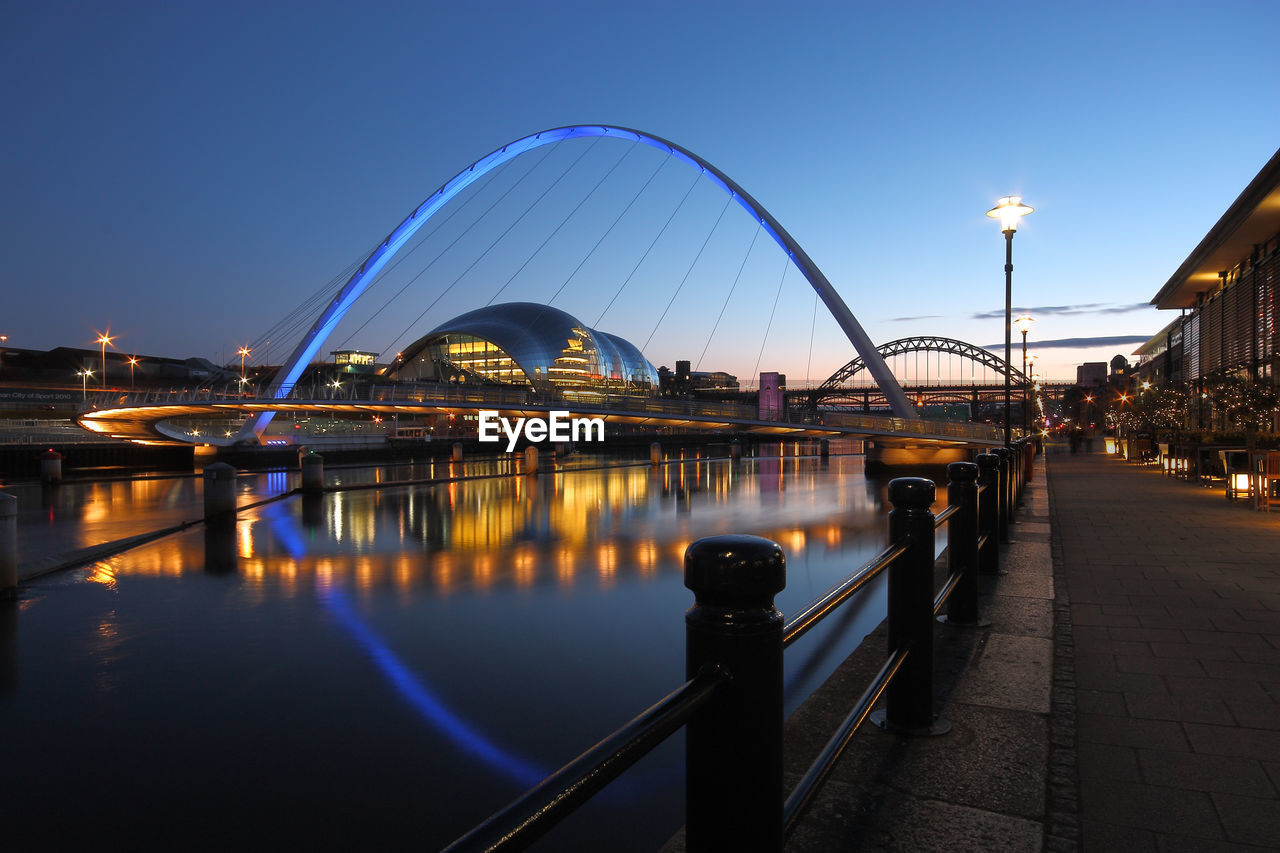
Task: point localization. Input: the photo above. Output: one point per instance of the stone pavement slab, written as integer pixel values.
(1167, 594)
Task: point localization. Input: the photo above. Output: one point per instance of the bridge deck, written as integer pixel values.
(146, 417)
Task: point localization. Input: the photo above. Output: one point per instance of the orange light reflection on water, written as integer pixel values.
(511, 532)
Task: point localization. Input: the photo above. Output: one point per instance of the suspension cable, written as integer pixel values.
(566, 219)
(403, 256)
(786, 266)
(813, 325)
(687, 272)
(395, 341)
(725, 304)
(653, 243)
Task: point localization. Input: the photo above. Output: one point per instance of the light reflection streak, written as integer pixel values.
(412, 690)
(406, 683)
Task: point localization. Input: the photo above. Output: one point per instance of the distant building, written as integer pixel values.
(683, 381)
(354, 361)
(772, 402)
(1092, 374)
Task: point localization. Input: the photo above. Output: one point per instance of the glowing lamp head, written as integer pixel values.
(1009, 210)
(1023, 324)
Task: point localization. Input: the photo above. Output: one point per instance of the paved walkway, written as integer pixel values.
(982, 787)
(1173, 598)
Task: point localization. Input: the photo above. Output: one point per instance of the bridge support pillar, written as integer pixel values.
(531, 456)
(8, 546)
(457, 452)
(735, 450)
(824, 448)
(655, 454)
(313, 473)
(50, 466)
(219, 490)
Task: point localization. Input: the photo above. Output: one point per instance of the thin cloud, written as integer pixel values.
(920, 317)
(1066, 310)
(1082, 343)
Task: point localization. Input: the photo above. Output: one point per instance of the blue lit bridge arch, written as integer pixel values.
(328, 320)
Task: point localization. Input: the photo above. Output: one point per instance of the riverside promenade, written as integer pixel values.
(1174, 606)
(1126, 695)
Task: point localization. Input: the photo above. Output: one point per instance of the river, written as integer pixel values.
(381, 668)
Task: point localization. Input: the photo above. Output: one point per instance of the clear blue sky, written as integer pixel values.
(187, 173)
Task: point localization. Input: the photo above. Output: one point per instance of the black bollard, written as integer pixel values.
(733, 752)
(988, 511)
(909, 697)
(962, 544)
(1002, 511)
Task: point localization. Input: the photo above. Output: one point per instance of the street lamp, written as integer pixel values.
(1023, 323)
(133, 362)
(1008, 210)
(1033, 386)
(84, 383)
(243, 352)
(104, 339)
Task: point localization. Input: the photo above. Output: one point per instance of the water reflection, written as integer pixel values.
(497, 626)
(526, 531)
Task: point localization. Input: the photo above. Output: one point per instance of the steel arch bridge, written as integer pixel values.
(328, 320)
(834, 385)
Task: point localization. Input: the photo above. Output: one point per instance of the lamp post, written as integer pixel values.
(84, 384)
(1023, 324)
(133, 362)
(1033, 387)
(244, 351)
(104, 339)
(1008, 210)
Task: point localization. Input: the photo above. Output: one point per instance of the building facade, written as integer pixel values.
(1226, 293)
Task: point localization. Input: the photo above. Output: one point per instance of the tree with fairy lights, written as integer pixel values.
(1244, 404)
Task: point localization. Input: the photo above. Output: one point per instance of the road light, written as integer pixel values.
(133, 362)
(1008, 210)
(244, 351)
(84, 383)
(1023, 324)
(104, 339)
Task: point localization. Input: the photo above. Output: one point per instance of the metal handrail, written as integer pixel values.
(822, 766)
(542, 807)
(817, 610)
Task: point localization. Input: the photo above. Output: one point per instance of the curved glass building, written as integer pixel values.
(524, 343)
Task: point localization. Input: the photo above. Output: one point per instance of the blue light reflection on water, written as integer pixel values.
(535, 614)
(409, 685)
(426, 703)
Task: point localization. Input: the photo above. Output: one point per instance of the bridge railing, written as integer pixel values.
(732, 701)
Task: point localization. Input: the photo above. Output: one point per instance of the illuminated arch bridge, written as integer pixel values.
(142, 418)
(929, 386)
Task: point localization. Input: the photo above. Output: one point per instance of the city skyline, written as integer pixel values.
(186, 178)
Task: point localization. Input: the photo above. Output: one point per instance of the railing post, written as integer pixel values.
(1013, 477)
(1002, 513)
(962, 543)
(988, 509)
(733, 752)
(909, 697)
(8, 546)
